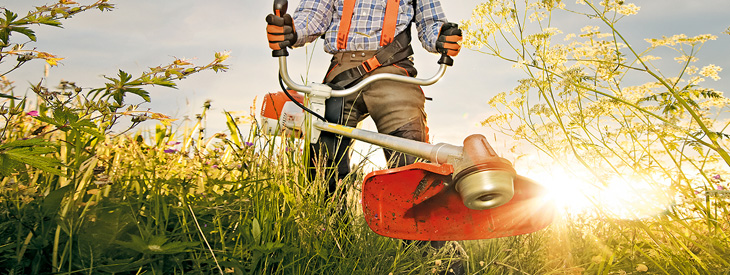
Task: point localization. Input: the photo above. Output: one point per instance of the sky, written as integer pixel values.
(139, 34)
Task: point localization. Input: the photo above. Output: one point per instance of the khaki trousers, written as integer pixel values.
(391, 104)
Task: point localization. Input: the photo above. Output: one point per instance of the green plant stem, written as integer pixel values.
(202, 235)
(712, 136)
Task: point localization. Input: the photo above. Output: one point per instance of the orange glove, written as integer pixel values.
(280, 31)
(448, 39)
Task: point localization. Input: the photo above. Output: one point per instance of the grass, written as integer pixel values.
(241, 205)
(225, 205)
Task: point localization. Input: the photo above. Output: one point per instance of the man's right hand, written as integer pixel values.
(280, 31)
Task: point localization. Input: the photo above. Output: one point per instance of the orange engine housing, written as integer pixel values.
(274, 103)
(274, 113)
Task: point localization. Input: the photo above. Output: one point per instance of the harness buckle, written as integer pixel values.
(371, 64)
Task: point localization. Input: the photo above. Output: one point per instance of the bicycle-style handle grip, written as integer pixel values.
(446, 59)
(280, 7)
(446, 30)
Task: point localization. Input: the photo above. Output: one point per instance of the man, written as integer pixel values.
(353, 32)
(369, 37)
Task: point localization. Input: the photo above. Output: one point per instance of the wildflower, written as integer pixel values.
(711, 71)
(170, 151)
(648, 58)
(685, 59)
(717, 177)
(641, 268)
(629, 9)
(438, 262)
(222, 56)
(50, 59)
(33, 113)
(248, 144)
(154, 247)
(720, 187)
(215, 166)
(182, 62)
(26, 199)
(481, 263)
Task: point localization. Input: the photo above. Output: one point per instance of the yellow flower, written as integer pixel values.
(628, 9)
(711, 71)
(181, 62)
(222, 56)
(50, 59)
(685, 59)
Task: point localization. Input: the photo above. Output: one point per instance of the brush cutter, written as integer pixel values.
(465, 193)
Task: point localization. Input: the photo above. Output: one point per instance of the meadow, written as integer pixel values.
(77, 198)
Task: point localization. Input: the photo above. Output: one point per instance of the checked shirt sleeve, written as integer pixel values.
(311, 19)
(429, 19)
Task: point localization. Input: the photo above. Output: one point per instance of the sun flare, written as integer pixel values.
(629, 197)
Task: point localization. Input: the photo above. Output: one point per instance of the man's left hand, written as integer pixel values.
(448, 39)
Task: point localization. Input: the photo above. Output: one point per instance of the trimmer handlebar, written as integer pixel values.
(284, 72)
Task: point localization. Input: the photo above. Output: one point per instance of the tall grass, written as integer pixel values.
(240, 203)
(225, 204)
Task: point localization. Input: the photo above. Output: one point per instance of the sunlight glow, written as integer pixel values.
(629, 197)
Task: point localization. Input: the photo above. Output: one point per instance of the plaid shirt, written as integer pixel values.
(313, 18)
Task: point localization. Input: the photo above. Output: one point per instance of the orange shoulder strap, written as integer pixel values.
(389, 22)
(344, 30)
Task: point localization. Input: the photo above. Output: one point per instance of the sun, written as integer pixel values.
(621, 197)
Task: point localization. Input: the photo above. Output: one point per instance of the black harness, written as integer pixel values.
(396, 51)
